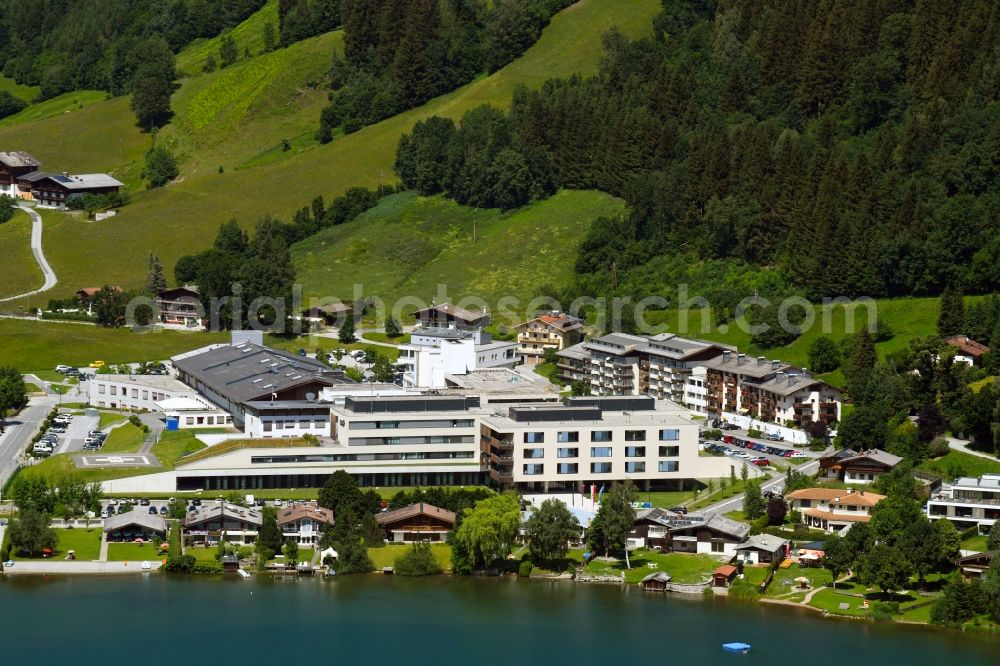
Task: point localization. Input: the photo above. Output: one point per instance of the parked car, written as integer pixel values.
(196, 502)
(729, 426)
(163, 509)
(144, 501)
(742, 455)
(796, 454)
(62, 368)
(152, 510)
(774, 437)
(679, 509)
(96, 364)
(302, 352)
(760, 461)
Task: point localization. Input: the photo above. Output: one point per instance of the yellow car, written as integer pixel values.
(97, 364)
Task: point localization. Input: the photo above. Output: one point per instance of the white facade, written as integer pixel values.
(969, 501)
(138, 392)
(564, 447)
(433, 354)
(282, 420)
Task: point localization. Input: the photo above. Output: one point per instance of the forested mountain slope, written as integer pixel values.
(841, 147)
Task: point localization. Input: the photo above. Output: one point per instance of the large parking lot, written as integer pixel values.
(738, 444)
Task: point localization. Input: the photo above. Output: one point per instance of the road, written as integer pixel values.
(735, 503)
(36, 249)
(20, 430)
(963, 446)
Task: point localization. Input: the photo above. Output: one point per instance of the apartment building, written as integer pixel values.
(593, 441)
(553, 330)
(767, 390)
(833, 509)
(969, 502)
(623, 364)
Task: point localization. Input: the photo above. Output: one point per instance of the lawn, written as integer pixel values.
(174, 445)
(375, 336)
(36, 345)
(211, 129)
(133, 552)
(976, 543)
(124, 439)
(956, 463)
(682, 567)
(202, 554)
(387, 555)
(21, 272)
(86, 543)
(435, 241)
(830, 601)
(110, 418)
(717, 494)
(311, 342)
(784, 579)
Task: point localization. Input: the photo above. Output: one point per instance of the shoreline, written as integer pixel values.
(98, 569)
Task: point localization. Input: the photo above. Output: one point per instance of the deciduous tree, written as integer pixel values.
(549, 530)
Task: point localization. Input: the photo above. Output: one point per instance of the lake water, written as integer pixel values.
(372, 620)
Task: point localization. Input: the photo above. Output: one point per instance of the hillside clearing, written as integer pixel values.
(248, 35)
(408, 245)
(22, 92)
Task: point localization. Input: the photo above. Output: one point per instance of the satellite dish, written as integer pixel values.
(310, 396)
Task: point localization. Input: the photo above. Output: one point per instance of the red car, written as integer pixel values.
(761, 461)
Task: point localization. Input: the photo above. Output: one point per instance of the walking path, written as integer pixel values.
(963, 446)
(36, 249)
(28, 567)
(103, 557)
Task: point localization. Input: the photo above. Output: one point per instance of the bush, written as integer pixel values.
(524, 570)
(883, 611)
(418, 560)
(244, 552)
(181, 564)
(753, 432)
(938, 447)
(713, 434)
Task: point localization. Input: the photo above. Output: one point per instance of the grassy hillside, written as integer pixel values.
(21, 273)
(408, 245)
(212, 132)
(26, 93)
(234, 115)
(248, 35)
(99, 135)
(57, 106)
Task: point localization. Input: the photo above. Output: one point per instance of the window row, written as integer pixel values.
(604, 452)
(538, 469)
(573, 436)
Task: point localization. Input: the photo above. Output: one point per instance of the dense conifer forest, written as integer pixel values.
(821, 147)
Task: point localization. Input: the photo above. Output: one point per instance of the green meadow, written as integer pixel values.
(408, 245)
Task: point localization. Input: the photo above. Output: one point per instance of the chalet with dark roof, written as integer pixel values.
(13, 165)
(417, 522)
